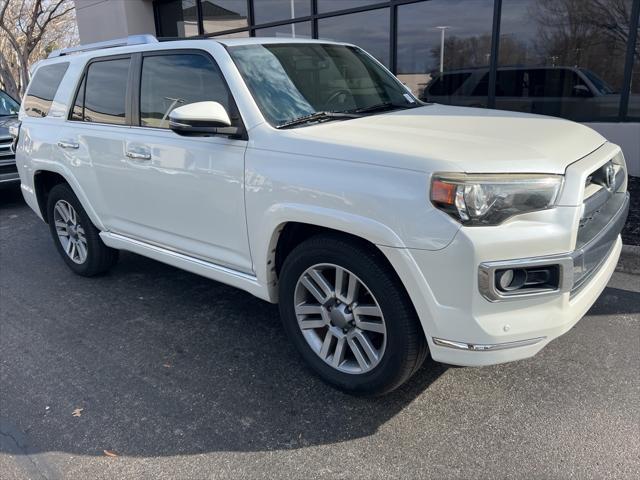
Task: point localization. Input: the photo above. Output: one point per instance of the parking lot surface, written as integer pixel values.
(172, 375)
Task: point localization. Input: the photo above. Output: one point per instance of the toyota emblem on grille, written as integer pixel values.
(610, 177)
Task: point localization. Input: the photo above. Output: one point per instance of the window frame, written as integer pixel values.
(136, 94)
(79, 82)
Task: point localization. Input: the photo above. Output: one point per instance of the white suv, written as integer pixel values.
(306, 174)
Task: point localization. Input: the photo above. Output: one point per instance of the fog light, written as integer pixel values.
(511, 279)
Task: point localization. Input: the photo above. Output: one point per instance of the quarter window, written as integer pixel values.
(171, 81)
(105, 93)
(43, 88)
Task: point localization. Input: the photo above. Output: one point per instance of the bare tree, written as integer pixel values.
(29, 29)
(586, 33)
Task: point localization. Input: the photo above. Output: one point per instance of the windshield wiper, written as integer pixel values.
(318, 117)
(381, 107)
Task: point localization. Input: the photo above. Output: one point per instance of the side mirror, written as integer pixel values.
(201, 118)
(582, 91)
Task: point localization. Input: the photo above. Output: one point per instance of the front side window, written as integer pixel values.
(8, 106)
(171, 81)
(289, 81)
(105, 93)
(43, 88)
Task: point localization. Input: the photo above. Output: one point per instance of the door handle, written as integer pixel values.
(138, 155)
(73, 145)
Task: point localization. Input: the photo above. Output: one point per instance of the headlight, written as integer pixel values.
(491, 199)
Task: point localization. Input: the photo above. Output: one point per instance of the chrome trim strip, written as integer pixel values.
(486, 274)
(15, 179)
(473, 347)
(182, 256)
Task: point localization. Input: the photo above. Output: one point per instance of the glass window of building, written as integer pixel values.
(563, 58)
(369, 30)
(221, 15)
(333, 5)
(171, 81)
(292, 30)
(244, 34)
(177, 18)
(266, 11)
(633, 112)
(450, 74)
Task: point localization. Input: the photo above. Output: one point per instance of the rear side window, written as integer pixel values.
(173, 80)
(43, 88)
(102, 95)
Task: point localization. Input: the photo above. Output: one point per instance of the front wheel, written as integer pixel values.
(349, 316)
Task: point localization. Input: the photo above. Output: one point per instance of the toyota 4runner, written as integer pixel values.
(306, 174)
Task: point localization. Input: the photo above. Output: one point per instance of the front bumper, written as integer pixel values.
(464, 327)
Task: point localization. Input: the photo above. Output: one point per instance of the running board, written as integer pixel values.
(234, 278)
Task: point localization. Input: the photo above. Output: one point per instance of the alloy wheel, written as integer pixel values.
(70, 232)
(340, 318)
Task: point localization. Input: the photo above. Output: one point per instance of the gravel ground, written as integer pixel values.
(631, 232)
(182, 377)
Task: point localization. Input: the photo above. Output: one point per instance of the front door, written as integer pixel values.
(182, 193)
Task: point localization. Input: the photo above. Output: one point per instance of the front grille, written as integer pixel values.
(5, 149)
(605, 210)
(11, 168)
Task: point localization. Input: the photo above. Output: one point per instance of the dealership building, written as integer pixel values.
(578, 60)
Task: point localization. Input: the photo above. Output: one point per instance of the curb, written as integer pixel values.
(629, 259)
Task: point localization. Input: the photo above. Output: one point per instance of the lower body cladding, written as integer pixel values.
(471, 319)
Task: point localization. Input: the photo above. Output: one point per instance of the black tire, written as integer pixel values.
(406, 347)
(99, 258)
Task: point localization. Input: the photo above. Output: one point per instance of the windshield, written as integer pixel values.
(8, 106)
(296, 80)
(600, 84)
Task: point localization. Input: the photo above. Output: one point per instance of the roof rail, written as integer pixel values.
(118, 42)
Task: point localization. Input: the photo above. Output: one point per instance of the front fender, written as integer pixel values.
(278, 215)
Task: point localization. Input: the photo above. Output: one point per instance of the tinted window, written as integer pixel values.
(43, 88)
(220, 15)
(510, 83)
(448, 83)
(106, 91)
(170, 81)
(551, 40)
(464, 26)
(266, 11)
(291, 30)
(178, 18)
(372, 33)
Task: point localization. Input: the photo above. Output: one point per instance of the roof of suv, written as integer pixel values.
(230, 42)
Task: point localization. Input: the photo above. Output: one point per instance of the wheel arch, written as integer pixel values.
(287, 234)
(44, 179)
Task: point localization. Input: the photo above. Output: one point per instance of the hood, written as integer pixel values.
(5, 123)
(444, 138)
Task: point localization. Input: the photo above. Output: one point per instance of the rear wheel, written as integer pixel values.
(349, 316)
(76, 238)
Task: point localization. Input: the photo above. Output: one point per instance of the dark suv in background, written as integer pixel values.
(570, 92)
(8, 118)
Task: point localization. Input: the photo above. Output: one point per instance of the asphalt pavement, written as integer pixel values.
(151, 372)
